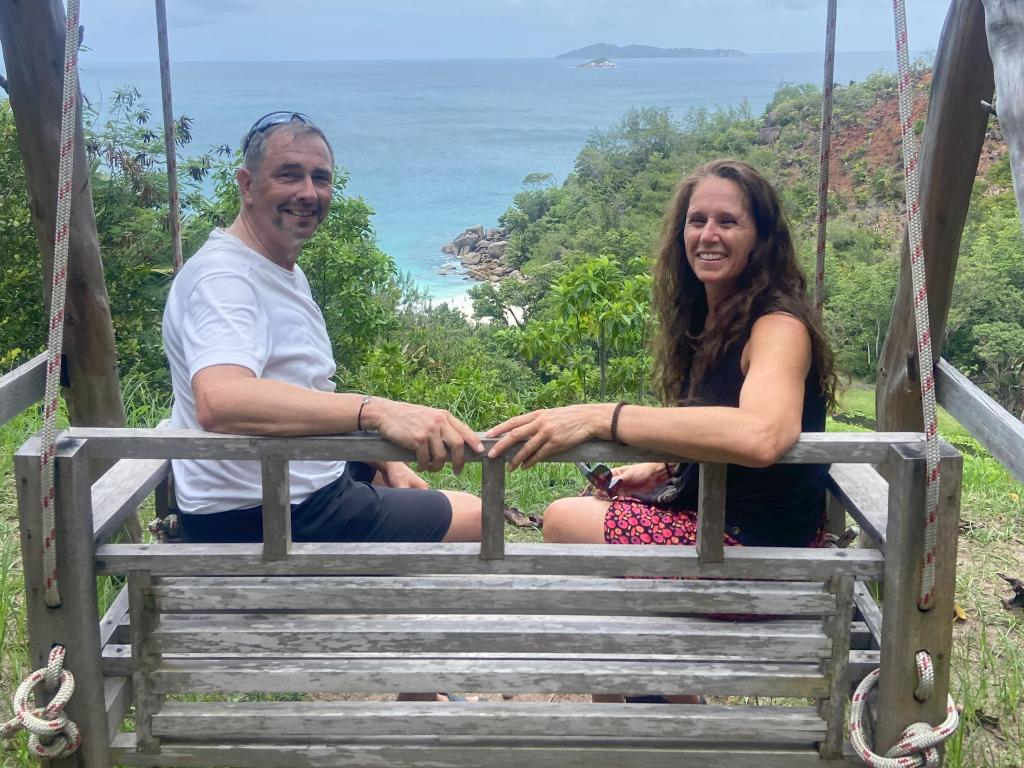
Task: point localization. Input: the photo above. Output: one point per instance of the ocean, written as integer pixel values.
(437, 146)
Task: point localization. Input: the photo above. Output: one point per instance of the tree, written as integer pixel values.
(32, 35)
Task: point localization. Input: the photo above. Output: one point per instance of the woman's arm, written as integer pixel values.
(765, 425)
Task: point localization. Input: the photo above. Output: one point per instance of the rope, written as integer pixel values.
(921, 317)
(917, 745)
(174, 212)
(51, 734)
(59, 290)
(825, 154)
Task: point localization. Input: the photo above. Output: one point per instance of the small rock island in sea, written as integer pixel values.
(605, 51)
(482, 253)
(599, 63)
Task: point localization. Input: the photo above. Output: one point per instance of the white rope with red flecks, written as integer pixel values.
(921, 317)
(51, 734)
(917, 745)
(825, 145)
(69, 107)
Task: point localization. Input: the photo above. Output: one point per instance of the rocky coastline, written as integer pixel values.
(482, 255)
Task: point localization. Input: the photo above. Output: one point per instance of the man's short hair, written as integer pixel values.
(296, 127)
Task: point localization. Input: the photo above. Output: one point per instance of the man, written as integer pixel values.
(249, 353)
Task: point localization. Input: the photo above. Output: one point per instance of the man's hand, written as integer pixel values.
(397, 474)
(433, 433)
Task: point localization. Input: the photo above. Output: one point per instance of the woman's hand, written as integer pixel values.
(638, 478)
(550, 431)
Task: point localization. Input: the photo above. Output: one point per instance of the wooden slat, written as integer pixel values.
(326, 719)
(116, 614)
(117, 693)
(609, 560)
(500, 754)
(490, 594)
(117, 494)
(22, 387)
(277, 508)
(711, 513)
(492, 499)
(281, 634)
(833, 708)
(989, 423)
(865, 494)
(869, 611)
(812, 447)
(379, 673)
(145, 659)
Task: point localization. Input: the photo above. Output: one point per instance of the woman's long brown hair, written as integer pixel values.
(771, 282)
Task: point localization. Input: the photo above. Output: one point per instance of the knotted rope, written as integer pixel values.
(51, 734)
(921, 317)
(917, 745)
(58, 294)
(825, 152)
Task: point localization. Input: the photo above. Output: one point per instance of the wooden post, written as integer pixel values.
(75, 623)
(277, 509)
(492, 513)
(32, 35)
(833, 708)
(907, 629)
(144, 661)
(953, 136)
(1004, 25)
(711, 513)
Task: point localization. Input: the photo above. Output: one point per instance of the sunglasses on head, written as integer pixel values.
(268, 121)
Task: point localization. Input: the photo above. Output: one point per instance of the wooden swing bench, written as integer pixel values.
(201, 630)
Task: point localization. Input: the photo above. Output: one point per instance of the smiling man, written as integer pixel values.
(249, 353)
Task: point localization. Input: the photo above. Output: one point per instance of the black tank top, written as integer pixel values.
(778, 506)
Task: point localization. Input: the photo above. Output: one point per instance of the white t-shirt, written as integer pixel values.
(229, 305)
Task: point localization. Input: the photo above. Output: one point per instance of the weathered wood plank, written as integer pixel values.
(1004, 27)
(117, 693)
(907, 629)
(869, 611)
(22, 387)
(865, 495)
(117, 494)
(325, 719)
(116, 614)
(711, 513)
(490, 594)
(500, 753)
(833, 708)
(991, 425)
(608, 560)
(145, 659)
(75, 623)
(813, 447)
(513, 673)
(948, 162)
(277, 508)
(280, 635)
(492, 499)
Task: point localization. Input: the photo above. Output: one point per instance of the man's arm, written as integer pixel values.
(231, 398)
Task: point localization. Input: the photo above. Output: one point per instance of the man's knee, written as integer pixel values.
(465, 524)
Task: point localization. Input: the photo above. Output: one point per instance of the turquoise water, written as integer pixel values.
(437, 146)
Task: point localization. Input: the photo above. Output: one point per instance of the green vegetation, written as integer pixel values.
(579, 326)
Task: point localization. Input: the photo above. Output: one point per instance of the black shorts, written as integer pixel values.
(349, 509)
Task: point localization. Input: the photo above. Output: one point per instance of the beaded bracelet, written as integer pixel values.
(615, 422)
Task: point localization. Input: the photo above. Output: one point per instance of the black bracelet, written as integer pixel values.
(359, 416)
(615, 421)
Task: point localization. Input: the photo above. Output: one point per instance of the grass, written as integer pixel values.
(988, 656)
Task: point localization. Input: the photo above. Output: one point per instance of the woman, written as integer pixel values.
(743, 365)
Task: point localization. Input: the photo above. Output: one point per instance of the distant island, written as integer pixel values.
(608, 51)
(601, 63)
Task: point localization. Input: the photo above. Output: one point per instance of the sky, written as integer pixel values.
(297, 30)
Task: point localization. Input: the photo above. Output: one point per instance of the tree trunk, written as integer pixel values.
(1004, 23)
(32, 35)
(953, 137)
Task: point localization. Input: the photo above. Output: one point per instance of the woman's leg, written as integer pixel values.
(575, 520)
